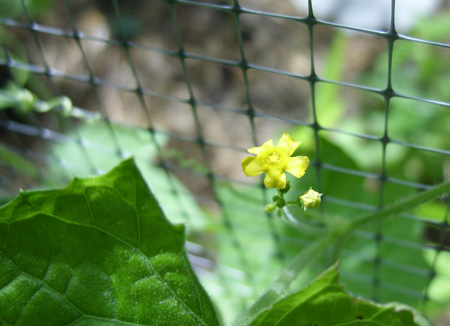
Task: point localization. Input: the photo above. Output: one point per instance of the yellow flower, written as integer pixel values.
(274, 160)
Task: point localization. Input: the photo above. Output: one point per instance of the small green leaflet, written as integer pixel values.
(324, 302)
(98, 252)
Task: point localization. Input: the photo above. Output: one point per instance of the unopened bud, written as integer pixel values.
(310, 199)
(270, 208)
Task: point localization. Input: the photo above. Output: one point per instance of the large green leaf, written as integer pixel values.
(98, 252)
(325, 302)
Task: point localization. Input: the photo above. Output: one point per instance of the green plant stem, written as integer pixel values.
(401, 206)
(280, 194)
(299, 224)
(345, 229)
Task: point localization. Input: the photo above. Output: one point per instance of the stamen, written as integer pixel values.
(273, 158)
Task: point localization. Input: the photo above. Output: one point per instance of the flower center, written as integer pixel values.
(273, 158)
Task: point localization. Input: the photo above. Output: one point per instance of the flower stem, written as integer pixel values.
(280, 194)
(401, 206)
(300, 225)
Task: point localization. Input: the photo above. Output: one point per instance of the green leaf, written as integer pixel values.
(98, 252)
(325, 302)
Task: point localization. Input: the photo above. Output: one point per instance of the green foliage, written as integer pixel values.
(324, 302)
(421, 71)
(439, 288)
(398, 264)
(13, 8)
(99, 251)
(338, 229)
(33, 274)
(285, 279)
(254, 243)
(418, 70)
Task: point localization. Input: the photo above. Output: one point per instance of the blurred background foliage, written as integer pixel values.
(370, 150)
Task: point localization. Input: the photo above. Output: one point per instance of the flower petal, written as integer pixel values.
(275, 178)
(252, 166)
(297, 165)
(287, 142)
(257, 150)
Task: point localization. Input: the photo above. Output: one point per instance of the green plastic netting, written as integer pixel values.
(187, 86)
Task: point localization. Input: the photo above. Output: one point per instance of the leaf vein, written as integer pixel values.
(183, 304)
(27, 303)
(43, 283)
